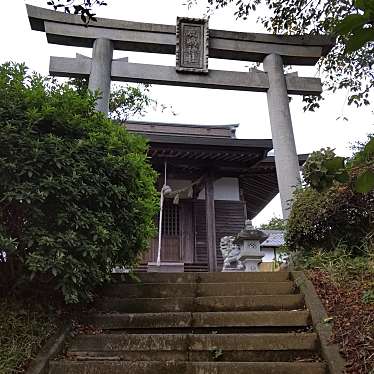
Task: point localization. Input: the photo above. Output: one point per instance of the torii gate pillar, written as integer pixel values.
(286, 159)
(101, 69)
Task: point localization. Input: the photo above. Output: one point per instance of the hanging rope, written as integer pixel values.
(185, 191)
(164, 190)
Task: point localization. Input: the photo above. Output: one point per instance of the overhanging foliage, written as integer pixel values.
(77, 195)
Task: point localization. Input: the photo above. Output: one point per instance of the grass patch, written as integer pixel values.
(24, 328)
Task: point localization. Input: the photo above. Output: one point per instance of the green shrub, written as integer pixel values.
(330, 209)
(275, 223)
(325, 219)
(77, 194)
(323, 168)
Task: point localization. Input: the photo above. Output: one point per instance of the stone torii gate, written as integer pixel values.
(193, 43)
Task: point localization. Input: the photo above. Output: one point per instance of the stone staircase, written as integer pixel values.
(202, 323)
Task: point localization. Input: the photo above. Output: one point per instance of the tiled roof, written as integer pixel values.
(275, 239)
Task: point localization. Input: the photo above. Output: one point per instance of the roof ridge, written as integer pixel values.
(228, 126)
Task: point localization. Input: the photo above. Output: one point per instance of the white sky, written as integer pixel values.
(193, 105)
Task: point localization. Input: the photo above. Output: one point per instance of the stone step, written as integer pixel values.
(172, 367)
(115, 344)
(173, 278)
(202, 304)
(197, 356)
(183, 320)
(198, 289)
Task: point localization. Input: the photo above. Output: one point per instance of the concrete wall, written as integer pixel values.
(269, 254)
(267, 263)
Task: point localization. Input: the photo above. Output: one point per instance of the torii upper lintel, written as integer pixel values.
(67, 29)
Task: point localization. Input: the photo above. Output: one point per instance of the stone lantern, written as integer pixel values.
(249, 241)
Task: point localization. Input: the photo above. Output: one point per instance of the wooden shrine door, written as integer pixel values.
(177, 243)
(171, 228)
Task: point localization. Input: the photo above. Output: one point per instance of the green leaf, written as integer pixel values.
(334, 164)
(359, 39)
(369, 147)
(342, 177)
(351, 23)
(364, 5)
(360, 4)
(365, 182)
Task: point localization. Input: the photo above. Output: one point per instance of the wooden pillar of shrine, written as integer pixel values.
(210, 224)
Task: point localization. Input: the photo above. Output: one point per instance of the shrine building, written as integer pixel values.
(215, 179)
